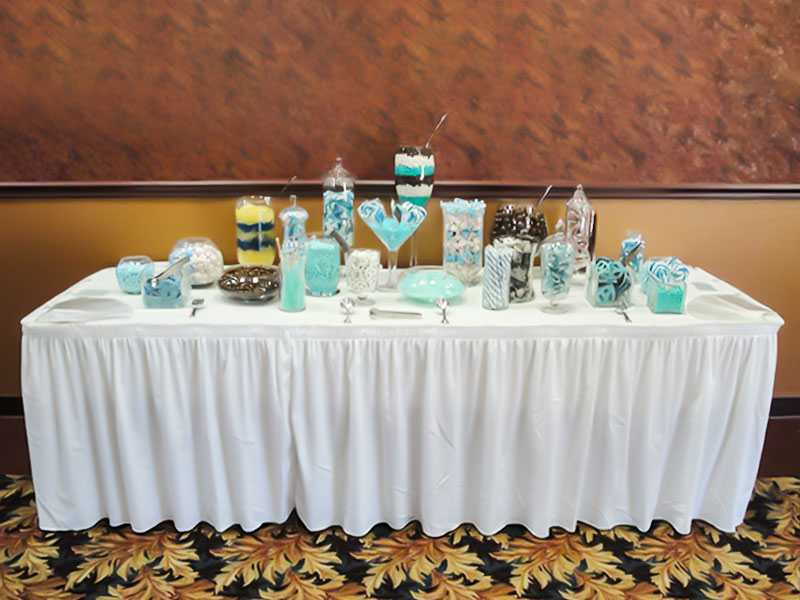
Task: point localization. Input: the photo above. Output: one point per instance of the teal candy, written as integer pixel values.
(405, 170)
(429, 286)
(416, 200)
(322, 268)
(666, 297)
(293, 286)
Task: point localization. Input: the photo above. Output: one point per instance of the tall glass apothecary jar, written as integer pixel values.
(255, 231)
(337, 202)
(557, 253)
(580, 223)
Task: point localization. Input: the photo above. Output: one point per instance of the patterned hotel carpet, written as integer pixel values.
(761, 560)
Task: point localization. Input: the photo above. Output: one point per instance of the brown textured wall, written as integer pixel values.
(593, 90)
(76, 237)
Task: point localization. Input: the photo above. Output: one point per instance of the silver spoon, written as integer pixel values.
(620, 310)
(540, 200)
(347, 305)
(435, 129)
(197, 304)
(443, 304)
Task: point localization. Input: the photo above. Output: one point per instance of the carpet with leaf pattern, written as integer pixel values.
(760, 560)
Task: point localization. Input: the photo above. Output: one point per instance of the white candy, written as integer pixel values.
(362, 270)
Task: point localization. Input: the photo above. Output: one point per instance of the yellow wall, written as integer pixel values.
(48, 245)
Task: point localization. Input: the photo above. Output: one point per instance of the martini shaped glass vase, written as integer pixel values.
(392, 229)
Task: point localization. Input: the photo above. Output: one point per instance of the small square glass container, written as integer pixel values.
(609, 283)
(666, 297)
(173, 291)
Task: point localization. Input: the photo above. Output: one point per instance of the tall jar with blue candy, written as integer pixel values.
(580, 227)
(557, 254)
(463, 238)
(337, 202)
(293, 250)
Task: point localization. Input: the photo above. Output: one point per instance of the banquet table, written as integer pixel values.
(244, 413)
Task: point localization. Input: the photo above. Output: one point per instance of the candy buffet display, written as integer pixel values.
(497, 277)
(337, 202)
(524, 251)
(250, 283)
(632, 248)
(394, 229)
(429, 285)
(322, 265)
(580, 226)
(519, 221)
(557, 254)
(255, 231)
(172, 288)
(293, 273)
(666, 285)
(362, 267)
(130, 272)
(463, 238)
(609, 283)
(205, 259)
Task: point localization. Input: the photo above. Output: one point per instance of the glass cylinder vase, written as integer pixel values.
(463, 238)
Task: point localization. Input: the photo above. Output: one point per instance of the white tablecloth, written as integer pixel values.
(245, 412)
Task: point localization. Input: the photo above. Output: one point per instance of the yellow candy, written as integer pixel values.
(251, 214)
(265, 256)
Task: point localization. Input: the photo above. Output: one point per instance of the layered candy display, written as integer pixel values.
(463, 238)
(413, 174)
(337, 202)
(255, 231)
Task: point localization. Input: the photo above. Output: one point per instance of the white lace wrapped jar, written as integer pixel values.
(362, 268)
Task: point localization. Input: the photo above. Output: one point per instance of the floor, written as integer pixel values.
(760, 560)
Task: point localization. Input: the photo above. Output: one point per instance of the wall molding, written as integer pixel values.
(444, 189)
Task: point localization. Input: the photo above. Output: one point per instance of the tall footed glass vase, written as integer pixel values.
(413, 179)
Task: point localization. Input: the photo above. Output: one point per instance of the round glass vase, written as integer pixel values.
(130, 271)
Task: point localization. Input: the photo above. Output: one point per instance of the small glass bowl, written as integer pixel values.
(131, 270)
(251, 283)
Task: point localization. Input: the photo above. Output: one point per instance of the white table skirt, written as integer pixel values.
(244, 412)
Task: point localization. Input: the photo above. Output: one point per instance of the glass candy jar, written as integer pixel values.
(171, 289)
(293, 273)
(322, 265)
(463, 238)
(666, 285)
(362, 267)
(580, 224)
(337, 202)
(205, 259)
(255, 231)
(524, 252)
(130, 272)
(609, 283)
(557, 253)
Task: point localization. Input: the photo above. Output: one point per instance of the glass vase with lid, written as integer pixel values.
(338, 198)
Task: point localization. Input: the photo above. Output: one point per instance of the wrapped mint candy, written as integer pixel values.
(557, 253)
(463, 238)
(633, 243)
(337, 202)
(609, 282)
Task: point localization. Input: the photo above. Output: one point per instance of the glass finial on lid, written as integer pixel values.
(294, 219)
(338, 178)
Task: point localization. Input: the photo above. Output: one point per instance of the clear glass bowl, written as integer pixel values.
(205, 259)
(130, 271)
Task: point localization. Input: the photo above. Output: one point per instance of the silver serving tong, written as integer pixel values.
(443, 304)
(620, 310)
(394, 314)
(170, 270)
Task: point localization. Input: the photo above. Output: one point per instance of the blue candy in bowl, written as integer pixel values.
(430, 285)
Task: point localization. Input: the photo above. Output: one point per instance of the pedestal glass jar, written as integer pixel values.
(205, 259)
(323, 265)
(557, 253)
(362, 267)
(130, 272)
(255, 231)
(580, 220)
(463, 238)
(337, 202)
